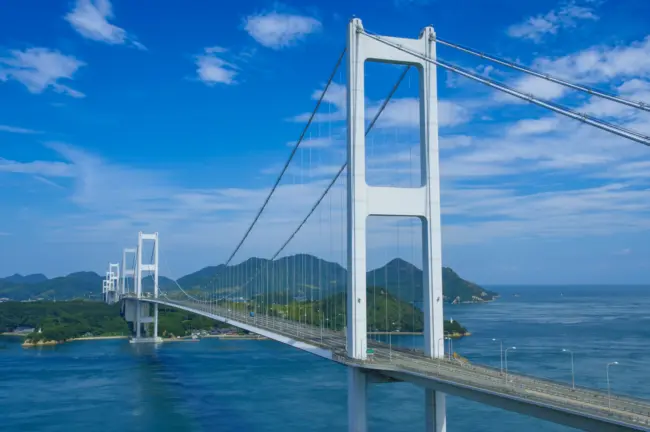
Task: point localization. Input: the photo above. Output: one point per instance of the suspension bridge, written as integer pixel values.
(327, 309)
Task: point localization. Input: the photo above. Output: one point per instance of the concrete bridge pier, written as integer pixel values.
(357, 397)
(139, 313)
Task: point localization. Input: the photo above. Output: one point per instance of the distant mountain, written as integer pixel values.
(74, 285)
(164, 283)
(20, 279)
(303, 275)
(404, 280)
(297, 277)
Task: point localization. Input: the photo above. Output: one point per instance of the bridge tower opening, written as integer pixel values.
(364, 201)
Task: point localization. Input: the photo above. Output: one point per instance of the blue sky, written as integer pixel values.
(118, 117)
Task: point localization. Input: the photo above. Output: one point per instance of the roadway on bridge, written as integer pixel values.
(630, 412)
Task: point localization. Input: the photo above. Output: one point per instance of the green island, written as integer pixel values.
(54, 322)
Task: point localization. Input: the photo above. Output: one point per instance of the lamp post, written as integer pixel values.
(500, 352)
(609, 395)
(390, 341)
(506, 356)
(573, 377)
(443, 351)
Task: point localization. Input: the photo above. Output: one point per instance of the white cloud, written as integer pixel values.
(17, 130)
(400, 112)
(534, 126)
(211, 68)
(41, 168)
(405, 112)
(90, 19)
(597, 64)
(537, 27)
(314, 143)
(277, 30)
(455, 141)
(39, 69)
(601, 63)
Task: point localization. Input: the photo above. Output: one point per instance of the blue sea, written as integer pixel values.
(244, 385)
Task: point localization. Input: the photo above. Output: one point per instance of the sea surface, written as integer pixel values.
(217, 385)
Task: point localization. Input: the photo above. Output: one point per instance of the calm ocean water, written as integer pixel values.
(264, 386)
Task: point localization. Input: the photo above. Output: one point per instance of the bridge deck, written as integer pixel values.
(584, 408)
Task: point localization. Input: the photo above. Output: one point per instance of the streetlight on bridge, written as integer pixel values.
(501, 351)
(609, 395)
(506, 356)
(443, 351)
(573, 379)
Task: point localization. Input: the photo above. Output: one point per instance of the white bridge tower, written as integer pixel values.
(136, 311)
(109, 284)
(363, 201)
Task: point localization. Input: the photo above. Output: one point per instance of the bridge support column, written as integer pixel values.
(357, 397)
(434, 411)
(422, 202)
(155, 321)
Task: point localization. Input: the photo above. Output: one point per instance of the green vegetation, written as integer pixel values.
(404, 280)
(385, 312)
(60, 321)
(63, 320)
(81, 285)
(175, 322)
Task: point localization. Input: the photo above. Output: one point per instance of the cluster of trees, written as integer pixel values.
(63, 320)
(175, 322)
(385, 312)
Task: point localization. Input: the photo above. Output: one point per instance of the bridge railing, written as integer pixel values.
(405, 358)
(522, 389)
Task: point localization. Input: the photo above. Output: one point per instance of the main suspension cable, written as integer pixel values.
(286, 165)
(345, 164)
(600, 124)
(548, 77)
(338, 174)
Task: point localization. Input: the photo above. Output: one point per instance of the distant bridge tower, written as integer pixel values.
(113, 278)
(364, 201)
(128, 273)
(136, 311)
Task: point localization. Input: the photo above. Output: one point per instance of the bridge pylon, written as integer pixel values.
(364, 201)
(128, 272)
(110, 282)
(140, 312)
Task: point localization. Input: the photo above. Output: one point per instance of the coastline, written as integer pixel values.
(28, 343)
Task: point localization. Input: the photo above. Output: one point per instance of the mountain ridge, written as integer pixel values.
(307, 276)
